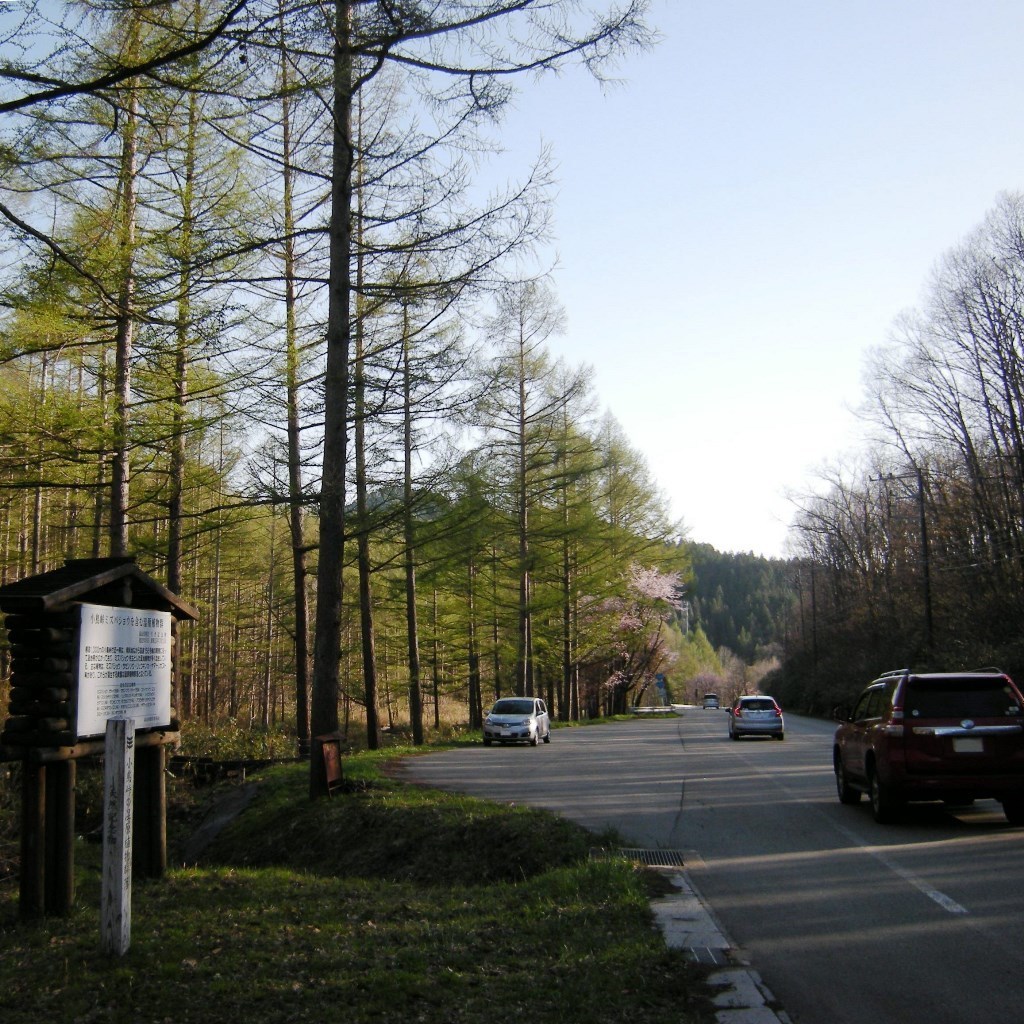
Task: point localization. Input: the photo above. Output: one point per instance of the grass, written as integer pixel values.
(389, 903)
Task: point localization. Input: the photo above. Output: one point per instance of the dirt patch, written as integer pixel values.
(224, 810)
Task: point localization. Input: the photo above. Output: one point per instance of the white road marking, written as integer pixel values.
(946, 902)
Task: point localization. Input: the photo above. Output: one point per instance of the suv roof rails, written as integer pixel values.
(894, 672)
(990, 668)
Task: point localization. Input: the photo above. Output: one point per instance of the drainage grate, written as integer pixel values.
(650, 858)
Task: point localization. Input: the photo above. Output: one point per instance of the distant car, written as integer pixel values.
(756, 716)
(955, 737)
(517, 720)
(711, 702)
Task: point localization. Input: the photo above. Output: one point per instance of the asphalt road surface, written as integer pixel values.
(847, 921)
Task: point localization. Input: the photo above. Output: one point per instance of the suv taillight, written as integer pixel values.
(895, 726)
(778, 711)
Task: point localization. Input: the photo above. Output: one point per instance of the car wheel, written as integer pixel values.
(547, 736)
(1014, 810)
(847, 794)
(534, 740)
(487, 741)
(781, 736)
(884, 806)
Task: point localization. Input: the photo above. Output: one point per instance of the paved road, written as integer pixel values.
(849, 922)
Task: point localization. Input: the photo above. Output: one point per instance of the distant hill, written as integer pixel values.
(741, 601)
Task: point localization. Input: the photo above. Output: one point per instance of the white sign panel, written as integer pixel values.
(124, 668)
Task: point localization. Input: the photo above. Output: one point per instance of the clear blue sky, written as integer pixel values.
(744, 217)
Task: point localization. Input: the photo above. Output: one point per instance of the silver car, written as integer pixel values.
(756, 716)
(517, 720)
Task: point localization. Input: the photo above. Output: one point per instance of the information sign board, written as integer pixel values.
(124, 668)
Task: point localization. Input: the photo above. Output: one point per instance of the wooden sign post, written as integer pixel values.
(118, 782)
(91, 641)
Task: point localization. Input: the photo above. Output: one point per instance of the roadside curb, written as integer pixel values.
(687, 923)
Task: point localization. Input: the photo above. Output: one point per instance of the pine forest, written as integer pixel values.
(276, 323)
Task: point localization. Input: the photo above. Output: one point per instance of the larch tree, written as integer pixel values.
(475, 47)
(520, 412)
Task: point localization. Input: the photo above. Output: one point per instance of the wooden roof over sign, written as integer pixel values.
(102, 580)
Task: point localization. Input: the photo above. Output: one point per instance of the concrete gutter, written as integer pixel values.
(688, 924)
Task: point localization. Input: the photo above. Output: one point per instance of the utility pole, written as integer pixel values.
(925, 562)
(926, 575)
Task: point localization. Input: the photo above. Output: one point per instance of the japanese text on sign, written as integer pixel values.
(124, 668)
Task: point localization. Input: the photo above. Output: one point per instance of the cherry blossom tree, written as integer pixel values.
(641, 651)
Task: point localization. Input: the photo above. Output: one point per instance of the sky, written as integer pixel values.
(743, 218)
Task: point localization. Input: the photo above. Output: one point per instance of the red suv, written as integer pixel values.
(937, 736)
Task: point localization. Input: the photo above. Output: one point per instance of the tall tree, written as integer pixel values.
(457, 41)
(521, 413)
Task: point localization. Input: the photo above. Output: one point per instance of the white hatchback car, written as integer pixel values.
(756, 716)
(517, 720)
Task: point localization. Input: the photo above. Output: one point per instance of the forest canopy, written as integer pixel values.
(265, 328)
(912, 553)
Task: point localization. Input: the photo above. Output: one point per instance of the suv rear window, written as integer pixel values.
(759, 704)
(960, 698)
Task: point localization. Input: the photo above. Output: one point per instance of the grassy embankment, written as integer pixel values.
(386, 903)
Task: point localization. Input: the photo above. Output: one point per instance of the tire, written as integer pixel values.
(884, 806)
(487, 741)
(547, 736)
(847, 794)
(1013, 808)
(781, 736)
(534, 740)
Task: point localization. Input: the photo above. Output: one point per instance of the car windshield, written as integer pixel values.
(513, 707)
(960, 698)
(761, 704)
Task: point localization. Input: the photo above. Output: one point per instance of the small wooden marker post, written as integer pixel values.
(118, 783)
(330, 747)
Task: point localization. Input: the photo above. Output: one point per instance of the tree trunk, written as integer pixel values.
(327, 650)
(412, 627)
(476, 716)
(524, 670)
(181, 359)
(125, 314)
(296, 524)
(435, 669)
(362, 514)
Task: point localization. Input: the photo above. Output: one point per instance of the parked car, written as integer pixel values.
(956, 737)
(711, 702)
(517, 720)
(756, 716)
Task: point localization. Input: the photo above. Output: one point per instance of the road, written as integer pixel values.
(847, 921)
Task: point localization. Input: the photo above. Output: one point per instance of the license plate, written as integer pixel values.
(508, 732)
(969, 746)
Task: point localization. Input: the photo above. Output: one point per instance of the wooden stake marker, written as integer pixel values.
(118, 782)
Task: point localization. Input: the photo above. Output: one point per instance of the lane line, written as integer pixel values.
(946, 902)
(938, 897)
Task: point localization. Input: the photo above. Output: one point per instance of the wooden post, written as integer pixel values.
(60, 837)
(118, 783)
(33, 840)
(150, 842)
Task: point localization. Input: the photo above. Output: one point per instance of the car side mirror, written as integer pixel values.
(841, 713)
